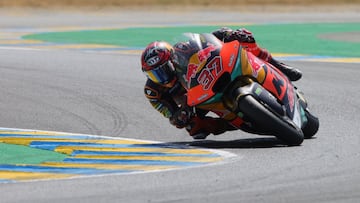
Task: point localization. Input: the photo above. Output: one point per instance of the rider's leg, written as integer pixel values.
(292, 73)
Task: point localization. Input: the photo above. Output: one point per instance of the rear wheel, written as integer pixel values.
(283, 129)
(312, 125)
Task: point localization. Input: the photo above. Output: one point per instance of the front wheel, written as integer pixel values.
(280, 127)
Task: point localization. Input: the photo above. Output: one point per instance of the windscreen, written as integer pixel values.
(192, 55)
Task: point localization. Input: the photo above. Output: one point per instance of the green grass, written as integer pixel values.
(18, 154)
(284, 38)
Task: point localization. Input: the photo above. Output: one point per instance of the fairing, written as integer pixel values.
(198, 72)
(213, 66)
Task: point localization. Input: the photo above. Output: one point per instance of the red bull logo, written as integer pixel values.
(202, 55)
(191, 71)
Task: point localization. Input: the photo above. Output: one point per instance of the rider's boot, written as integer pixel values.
(200, 128)
(292, 73)
(200, 135)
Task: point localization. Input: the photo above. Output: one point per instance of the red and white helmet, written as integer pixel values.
(156, 62)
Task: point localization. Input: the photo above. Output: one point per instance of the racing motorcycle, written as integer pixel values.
(231, 82)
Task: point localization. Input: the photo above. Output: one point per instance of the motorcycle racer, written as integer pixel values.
(168, 96)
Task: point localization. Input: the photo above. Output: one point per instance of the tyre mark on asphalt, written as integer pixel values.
(87, 124)
(118, 118)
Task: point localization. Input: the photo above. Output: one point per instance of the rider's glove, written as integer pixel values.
(243, 35)
(181, 118)
(224, 34)
(227, 35)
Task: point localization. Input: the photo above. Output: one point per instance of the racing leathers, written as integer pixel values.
(170, 99)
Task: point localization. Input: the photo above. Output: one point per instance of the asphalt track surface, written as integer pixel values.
(102, 94)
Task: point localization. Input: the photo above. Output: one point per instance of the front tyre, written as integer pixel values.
(284, 130)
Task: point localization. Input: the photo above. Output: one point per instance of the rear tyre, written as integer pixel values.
(312, 125)
(280, 127)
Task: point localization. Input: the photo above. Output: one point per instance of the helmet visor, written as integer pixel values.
(162, 74)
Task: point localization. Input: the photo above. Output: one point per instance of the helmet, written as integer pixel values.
(156, 62)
